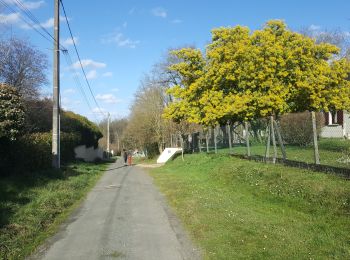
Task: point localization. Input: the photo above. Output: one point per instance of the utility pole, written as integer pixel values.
(56, 90)
(108, 133)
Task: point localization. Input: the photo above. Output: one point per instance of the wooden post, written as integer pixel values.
(207, 140)
(280, 141)
(247, 137)
(273, 141)
(215, 140)
(314, 130)
(267, 151)
(229, 136)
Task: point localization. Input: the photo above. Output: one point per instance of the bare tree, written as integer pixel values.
(22, 66)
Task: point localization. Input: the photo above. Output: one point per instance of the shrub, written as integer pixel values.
(296, 128)
(33, 151)
(74, 123)
(11, 112)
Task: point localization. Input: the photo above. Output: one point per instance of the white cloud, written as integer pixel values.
(176, 21)
(69, 41)
(69, 91)
(107, 74)
(99, 111)
(313, 27)
(120, 40)
(159, 12)
(87, 63)
(92, 74)
(108, 98)
(69, 104)
(47, 24)
(27, 4)
(9, 18)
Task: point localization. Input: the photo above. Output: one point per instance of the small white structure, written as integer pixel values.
(88, 154)
(167, 154)
(337, 125)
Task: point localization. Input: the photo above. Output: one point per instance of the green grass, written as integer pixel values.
(238, 209)
(34, 204)
(333, 152)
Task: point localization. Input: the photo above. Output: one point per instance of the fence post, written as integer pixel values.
(267, 151)
(280, 141)
(314, 130)
(199, 142)
(247, 137)
(215, 139)
(229, 136)
(273, 140)
(207, 140)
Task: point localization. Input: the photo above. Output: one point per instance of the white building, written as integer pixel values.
(337, 125)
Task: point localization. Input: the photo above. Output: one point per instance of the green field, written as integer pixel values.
(238, 209)
(333, 152)
(34, 204)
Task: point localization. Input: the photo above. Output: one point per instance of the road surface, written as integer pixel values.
(123, 217)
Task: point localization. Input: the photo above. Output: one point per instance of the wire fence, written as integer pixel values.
(291, 137)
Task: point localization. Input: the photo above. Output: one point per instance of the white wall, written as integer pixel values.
(88, 154)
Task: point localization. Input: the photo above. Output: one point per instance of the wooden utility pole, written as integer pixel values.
(108, 116)
(56, 91)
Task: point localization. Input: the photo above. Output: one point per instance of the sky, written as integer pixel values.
(119, 41)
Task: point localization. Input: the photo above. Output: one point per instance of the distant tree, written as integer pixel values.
(22, 66)
(11, 113)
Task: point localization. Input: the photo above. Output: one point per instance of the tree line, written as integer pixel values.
(241, 76)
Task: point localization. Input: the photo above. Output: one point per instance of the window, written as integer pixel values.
(334, 117)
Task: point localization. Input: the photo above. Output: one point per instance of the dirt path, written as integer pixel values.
(123, 217)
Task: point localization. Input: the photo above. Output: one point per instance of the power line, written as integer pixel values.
(77, 82)
(77, 53)
(13, 11)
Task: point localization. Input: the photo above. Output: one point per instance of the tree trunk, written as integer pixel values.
(280, 141)
(314, 130)
(273, 140)
(247, 137)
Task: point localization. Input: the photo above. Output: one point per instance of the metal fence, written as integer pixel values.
(287, 138)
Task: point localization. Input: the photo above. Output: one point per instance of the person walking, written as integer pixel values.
(125, 157)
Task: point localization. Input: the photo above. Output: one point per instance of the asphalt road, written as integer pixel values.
(123, 217)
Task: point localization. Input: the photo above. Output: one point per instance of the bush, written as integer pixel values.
(11, 112)
(296, 128)
(33, 151)
(74, 123)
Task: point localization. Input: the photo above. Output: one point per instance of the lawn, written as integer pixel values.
(333, 152)
(34, 204)
(238, 209)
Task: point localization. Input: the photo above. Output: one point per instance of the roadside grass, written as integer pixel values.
(34, 204)
(333, 152)
(238, 209)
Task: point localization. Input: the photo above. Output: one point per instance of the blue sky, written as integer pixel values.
(119, 41)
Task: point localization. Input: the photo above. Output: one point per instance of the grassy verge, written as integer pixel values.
(237, 209)
(333, 152)
(33, 205)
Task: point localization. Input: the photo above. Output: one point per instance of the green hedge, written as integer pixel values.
(33, 151)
